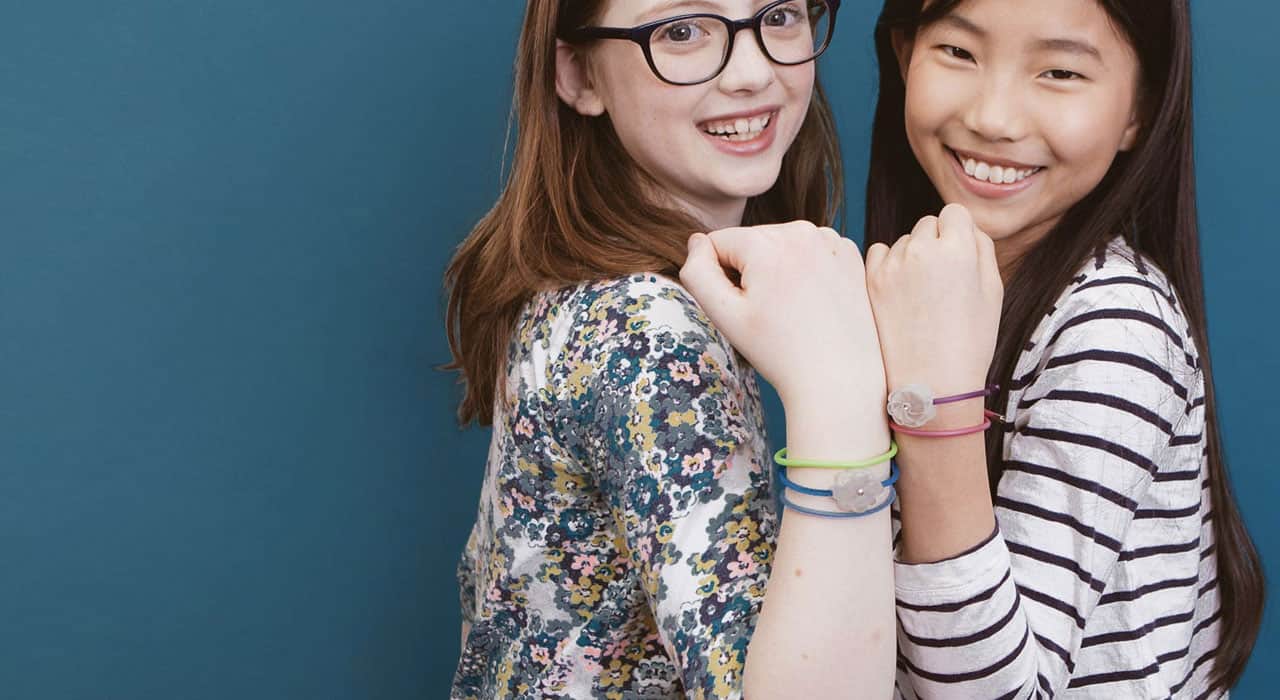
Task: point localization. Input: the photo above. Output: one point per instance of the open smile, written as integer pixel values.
(742, 134)
(992, 178)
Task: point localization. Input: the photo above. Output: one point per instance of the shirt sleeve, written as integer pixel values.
(466, 574)
(679, 459)
(1092, 432)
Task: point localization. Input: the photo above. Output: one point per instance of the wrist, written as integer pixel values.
(834, 393)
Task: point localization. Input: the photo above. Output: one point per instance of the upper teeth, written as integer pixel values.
(996, 174)
(739, 129)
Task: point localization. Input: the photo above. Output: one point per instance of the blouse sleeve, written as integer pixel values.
(466, 574)
(1098, 422)
(679, 459)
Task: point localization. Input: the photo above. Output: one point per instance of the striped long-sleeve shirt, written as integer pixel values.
(1100, 578)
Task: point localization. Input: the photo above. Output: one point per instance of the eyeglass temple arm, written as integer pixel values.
(586, 33)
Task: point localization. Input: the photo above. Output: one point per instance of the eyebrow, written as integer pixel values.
(1071, 46)
(670, 8)
(1078, 47)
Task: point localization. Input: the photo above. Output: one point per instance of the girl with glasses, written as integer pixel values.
(626, 526)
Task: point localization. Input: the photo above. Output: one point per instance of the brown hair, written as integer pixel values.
(1149, 195)
(576, 207)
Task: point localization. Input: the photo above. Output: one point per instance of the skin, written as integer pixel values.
(1044, 83)
(994, 79)
(659, 124)
(1001, 92)
(817, 562)
(827, 627)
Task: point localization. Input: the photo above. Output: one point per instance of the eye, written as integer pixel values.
(785, 16)
(681, 32)
(1061, 74)
(956, 52)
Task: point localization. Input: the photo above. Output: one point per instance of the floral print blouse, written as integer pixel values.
(626, 519)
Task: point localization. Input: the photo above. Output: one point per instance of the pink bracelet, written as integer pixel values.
(989, 415)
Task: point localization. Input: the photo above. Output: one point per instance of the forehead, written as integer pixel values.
(1038, 21)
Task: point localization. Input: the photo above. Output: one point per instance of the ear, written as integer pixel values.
(1132, 131)
(902, 47)
(573, 81)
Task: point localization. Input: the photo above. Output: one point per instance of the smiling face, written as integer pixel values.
(1017, 108)
(710, 146)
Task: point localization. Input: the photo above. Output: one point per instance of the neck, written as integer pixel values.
(1012, 248)
(715, 215)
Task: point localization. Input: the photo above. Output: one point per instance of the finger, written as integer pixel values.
(898, 252)
(925, 229)
(833, 240)
(735, 248)
(876, 255)
(705, 278)
(850, 246)
(955, 221)
(988, 263)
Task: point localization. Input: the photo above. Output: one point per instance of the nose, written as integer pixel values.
(748, 69)
(996, 111)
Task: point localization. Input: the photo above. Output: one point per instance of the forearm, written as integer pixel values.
(827, 626)
(944, 490)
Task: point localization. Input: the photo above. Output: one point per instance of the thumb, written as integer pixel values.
(706, 280)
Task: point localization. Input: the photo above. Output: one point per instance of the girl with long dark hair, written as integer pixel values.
(1090, 545)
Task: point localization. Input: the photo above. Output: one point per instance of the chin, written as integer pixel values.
(749, 184)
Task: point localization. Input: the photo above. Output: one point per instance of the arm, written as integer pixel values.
(827, 627)
(466, 575)
(1086, 452)
(801, 316)
(1002, 612)
(680, 462)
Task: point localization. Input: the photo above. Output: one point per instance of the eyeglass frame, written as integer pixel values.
(643, 33)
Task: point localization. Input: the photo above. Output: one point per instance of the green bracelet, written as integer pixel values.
(781, 458)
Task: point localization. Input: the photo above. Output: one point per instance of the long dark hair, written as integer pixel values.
(1148, 196)
(577, 207)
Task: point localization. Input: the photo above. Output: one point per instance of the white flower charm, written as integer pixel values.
(912, 406)
(856, 491)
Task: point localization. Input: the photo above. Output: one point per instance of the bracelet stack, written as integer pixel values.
(855, 492)
(913, 406)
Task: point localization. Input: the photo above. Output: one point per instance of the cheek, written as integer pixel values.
(1084, 134)
(930, 100)
(798, 80)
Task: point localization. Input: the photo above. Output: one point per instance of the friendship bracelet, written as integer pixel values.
(782, 459)
(848, 487)
(893, 495)
(913, 405)
(990, 390)
(988, 414)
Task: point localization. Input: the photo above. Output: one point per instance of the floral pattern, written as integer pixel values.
(626, 519)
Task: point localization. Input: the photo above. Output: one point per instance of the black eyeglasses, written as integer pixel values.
(692, 49)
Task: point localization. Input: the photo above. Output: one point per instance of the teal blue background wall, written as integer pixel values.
(228, 468)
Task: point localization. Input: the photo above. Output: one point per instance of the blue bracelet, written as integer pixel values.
(782, 477)
(828, 493)
(893, 494)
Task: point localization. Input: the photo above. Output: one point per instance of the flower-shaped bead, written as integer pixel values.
(912, 406)
(857, 491)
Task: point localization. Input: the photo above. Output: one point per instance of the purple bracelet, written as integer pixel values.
(912, 406)
(990, 390)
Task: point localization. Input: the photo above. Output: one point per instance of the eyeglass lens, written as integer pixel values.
(695, 49)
